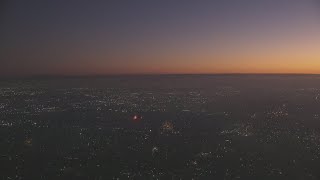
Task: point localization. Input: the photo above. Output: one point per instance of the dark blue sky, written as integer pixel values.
(121, 37)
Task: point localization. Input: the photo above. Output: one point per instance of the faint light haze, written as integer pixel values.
(163, 37)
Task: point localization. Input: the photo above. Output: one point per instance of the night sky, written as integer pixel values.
(61, 37)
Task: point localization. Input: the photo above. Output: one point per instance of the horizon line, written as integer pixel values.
(149, 74)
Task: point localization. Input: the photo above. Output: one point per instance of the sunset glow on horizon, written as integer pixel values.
(77, 38)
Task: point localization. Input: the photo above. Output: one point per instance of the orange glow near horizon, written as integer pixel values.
(162, 38)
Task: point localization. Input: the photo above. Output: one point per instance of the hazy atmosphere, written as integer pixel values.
(160, 90)
(163, 37)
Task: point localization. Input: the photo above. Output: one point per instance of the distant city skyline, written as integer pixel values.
(167, 37)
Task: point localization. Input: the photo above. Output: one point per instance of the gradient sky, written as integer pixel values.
(65, 37)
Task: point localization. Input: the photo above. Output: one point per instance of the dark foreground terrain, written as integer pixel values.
(161, 127)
